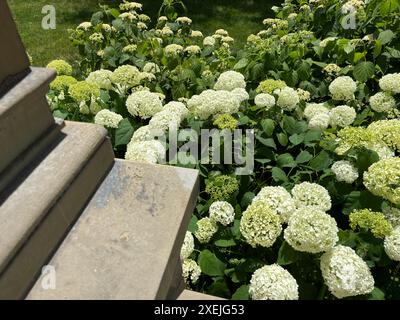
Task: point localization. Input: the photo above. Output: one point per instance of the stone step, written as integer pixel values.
(38, 208)
(126, 243)
(24, 115)
(14, 62)
(192, 295)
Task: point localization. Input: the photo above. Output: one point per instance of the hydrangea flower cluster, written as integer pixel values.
(270, 85)
(212, 102)
(279, 200)
(265, 100)
(390, 83)
(170, 117)
(368, 220)
(382, 179)
(308, 194)
(62, 82)
(226, 121)
(288, 98)
(342, 116)
(151, 151)
(206, 228)
(100, 78)
(191, 271)
(345, 273)
(108, 118)
(392, 215)
(61, 67)
(188, 246)
(222, 212)
(382, 102)
(144, 104)
(311, 230)
(83, 91)
(392, 244)
(230, 80)
(222, 187)
(273, 283)
(173, 49)
(343, 88)
(260, 225)
(345, 171)
(127, 76)
(387, 131)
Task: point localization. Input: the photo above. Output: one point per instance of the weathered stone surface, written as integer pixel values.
(192, 295)
(42, 189)
(126, 243)
(13, 58)
(24, 115)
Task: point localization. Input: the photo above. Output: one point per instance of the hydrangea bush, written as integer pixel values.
(319, 216)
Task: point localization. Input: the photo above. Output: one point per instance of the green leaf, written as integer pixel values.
(242, 293)
(267, 142)
(60, 114)
(268, 126)
(193, 224)
(286, 161)
(386, 36)
(364, 71)
(321, 162)
(282, 139)
(287, 254)
(242, 63)
(279, 175)
(210, 264)
(247, 198)
(303, 157)
(225, 243)
(296, 139)
(123, 133)
(219, 288)
(312, 135)
(376, 294)
(365, 158)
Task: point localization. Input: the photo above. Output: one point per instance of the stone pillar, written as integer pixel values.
(14, 62)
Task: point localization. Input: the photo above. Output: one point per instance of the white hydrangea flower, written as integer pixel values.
(222, 212)
(165, 120)
(288, 98)
(191, 272)
(130, 48)
(308, 194)
(193, 49)
(392, 215)
(101, 78)
(145, 151)
(343, 88)
(392, 245)
(273, 283)
(108, 118)
(345, 273)
(126, 75)
(382, 102)
(144, 133)
(320, 121)
(222, 32)
(127, 16)
(151, 67)
(230, 80)
(311, 230)
(241, 94)
(162, 19)
(196, 34)
(390, 83)
(144, 104)
(260, 225)
(278, 199)
(209, 41)
(177, 108)
(126, 6)
(332, 69)
(211, 102)
(184, 20)
(85, 26)
(173, 49)
(342, 116)
(304, 95)
(345, 171)
(265, 100)
(188, 246)
(206, 228)
(315, 109)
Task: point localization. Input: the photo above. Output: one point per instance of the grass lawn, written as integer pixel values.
(239, 17)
